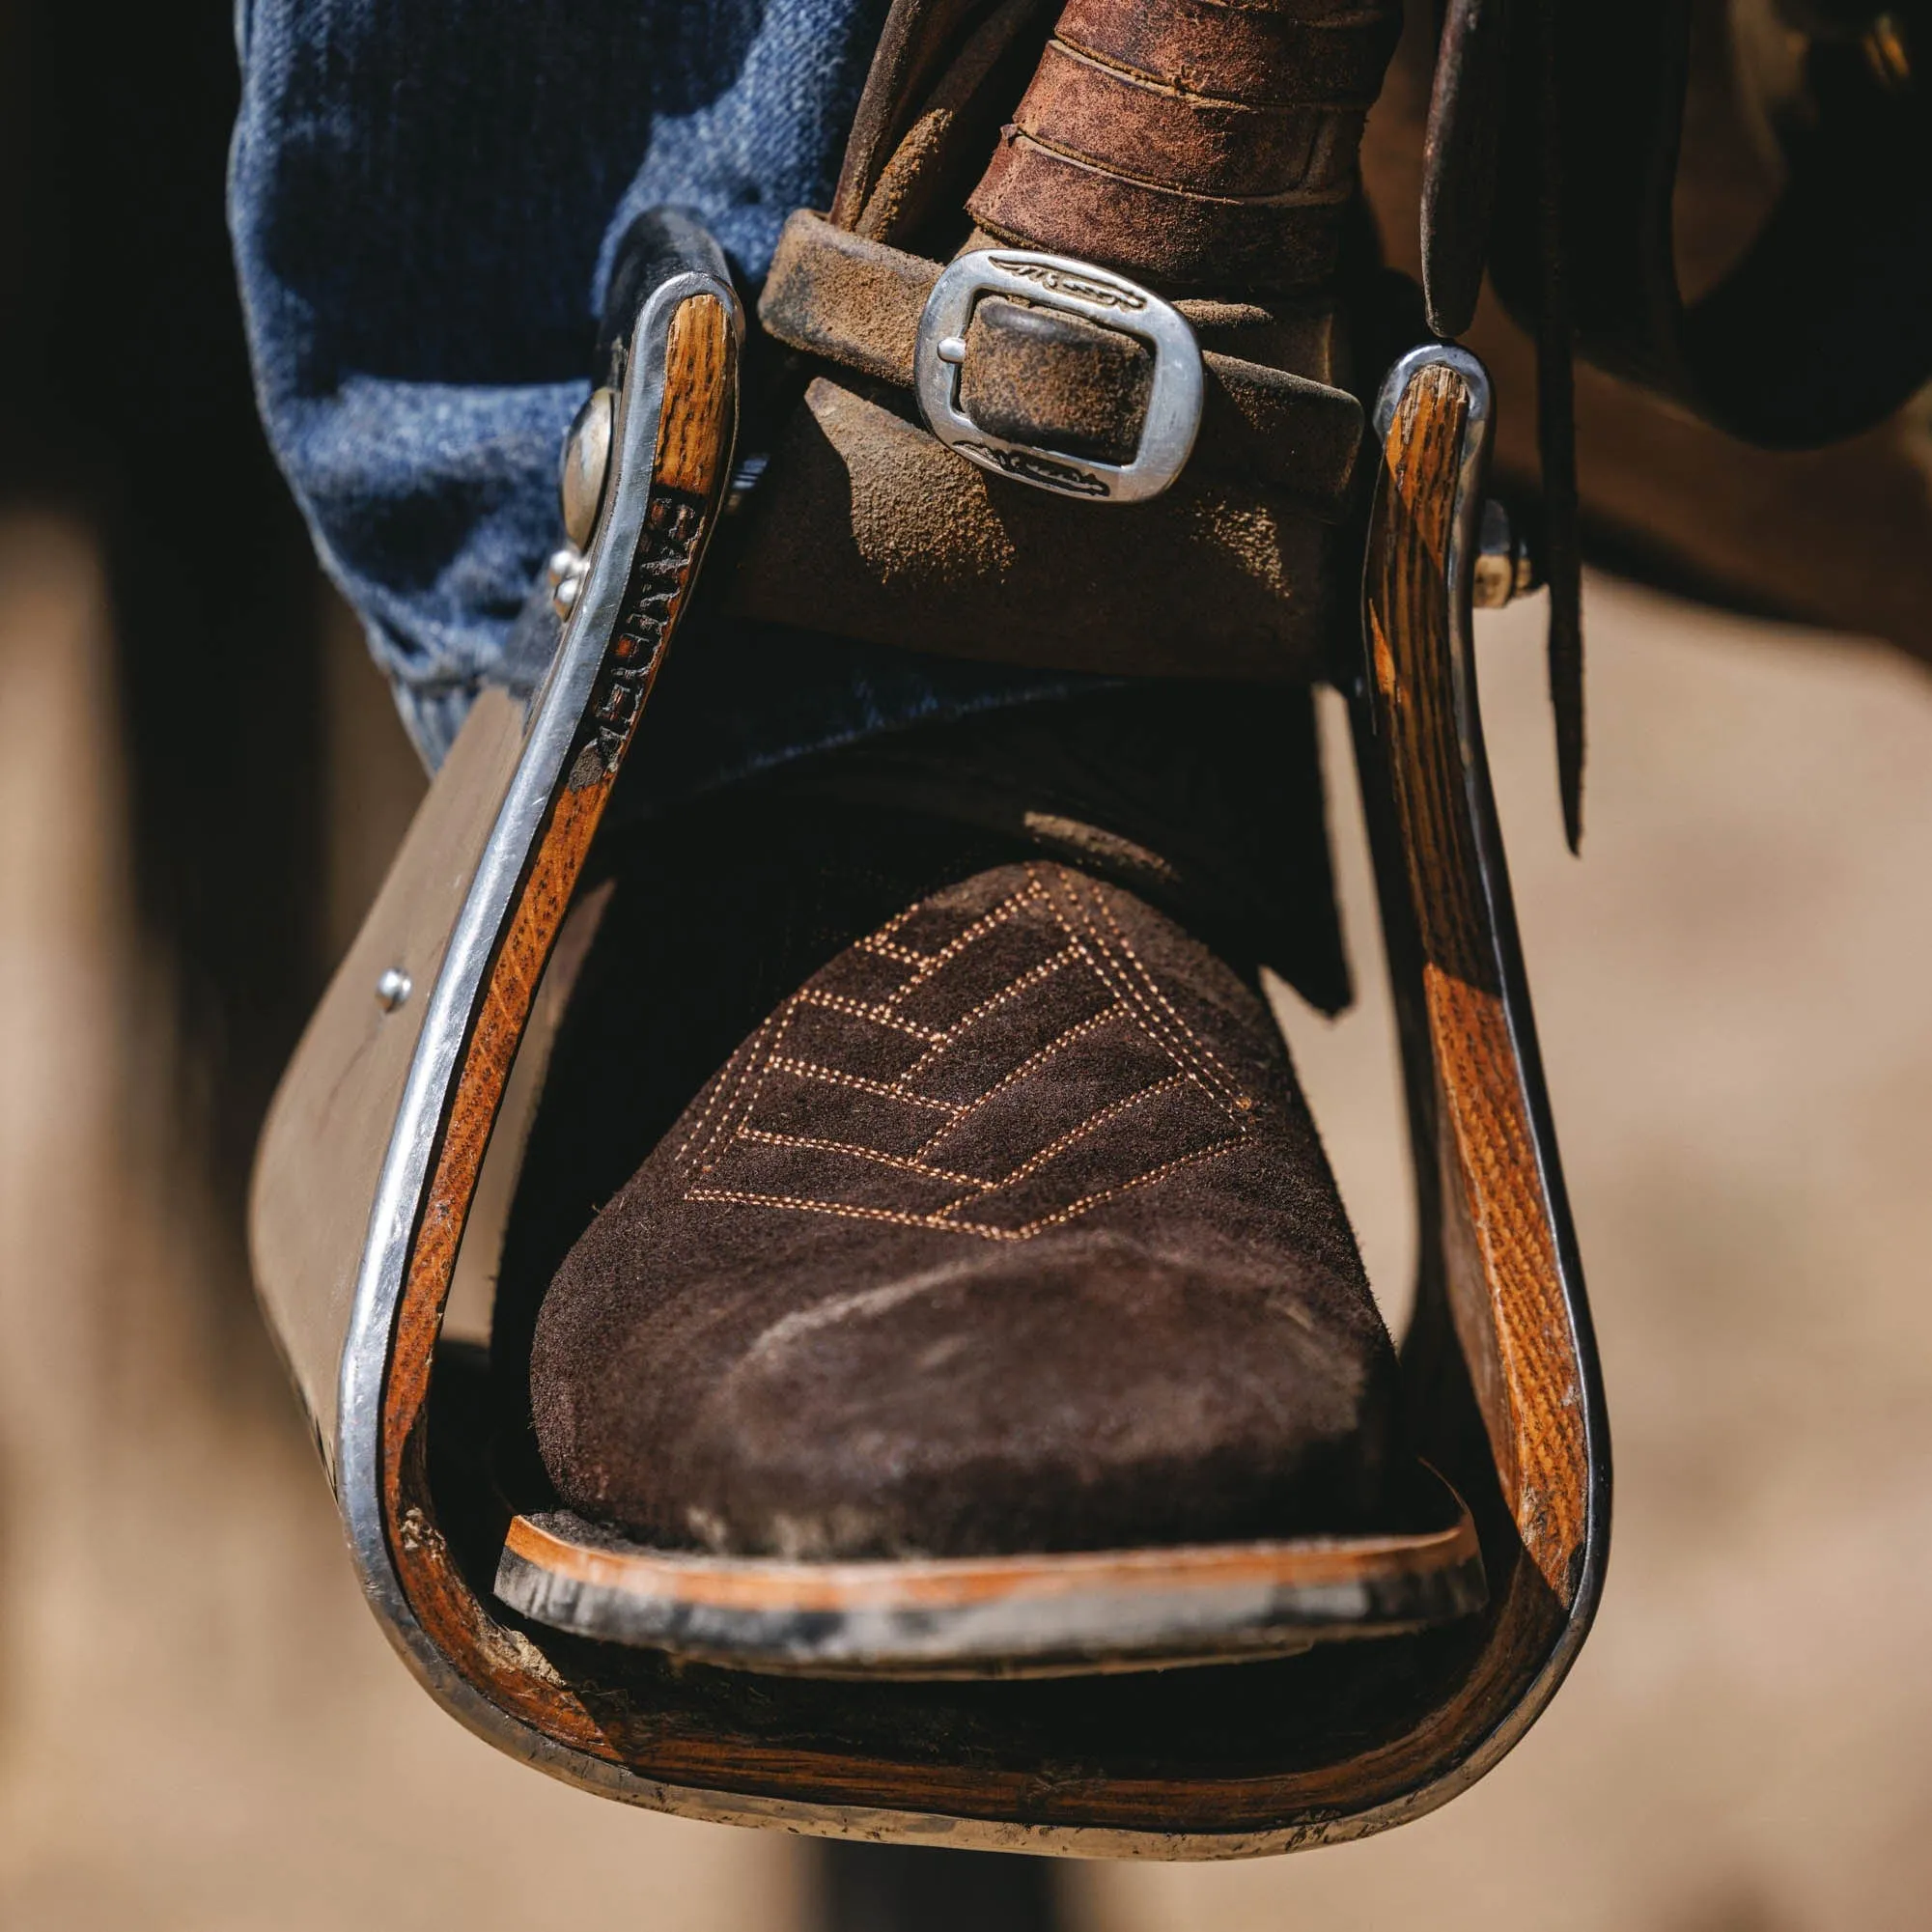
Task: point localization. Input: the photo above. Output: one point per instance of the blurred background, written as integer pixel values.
(201, 781)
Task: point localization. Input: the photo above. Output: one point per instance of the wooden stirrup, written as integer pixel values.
(370, 1158)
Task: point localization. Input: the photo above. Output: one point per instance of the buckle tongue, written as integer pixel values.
(1096, 295)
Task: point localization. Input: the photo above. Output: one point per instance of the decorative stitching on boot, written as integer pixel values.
(1072, 904)
(1100, 1196)
(988, 922)
(906, 1163)
(860, 1009)
(881, 941)
(1153, 986)
(713, 1087)
(1020, 983)
(1099, 1118)
(844, 1210)
(812, 1070)
(1136, 1002)
(1027, 1066)
(744, 1060)
(850, 1210)
(750, 1088)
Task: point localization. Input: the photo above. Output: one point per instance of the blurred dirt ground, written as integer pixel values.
(201, 1728)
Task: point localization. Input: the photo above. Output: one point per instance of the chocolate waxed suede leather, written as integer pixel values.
(1008, 1231)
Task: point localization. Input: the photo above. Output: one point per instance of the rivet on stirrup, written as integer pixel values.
(1097, 295)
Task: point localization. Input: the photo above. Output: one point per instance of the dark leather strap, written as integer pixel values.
(1825, 327)
(1043, 376)
(1197, 145)
(1467, 104)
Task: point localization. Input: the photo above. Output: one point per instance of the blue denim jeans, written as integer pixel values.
(424, 197)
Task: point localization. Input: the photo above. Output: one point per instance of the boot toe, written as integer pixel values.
(1101, 1397)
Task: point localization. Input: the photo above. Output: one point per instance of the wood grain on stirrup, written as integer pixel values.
(688, 469)
(1504, 1276)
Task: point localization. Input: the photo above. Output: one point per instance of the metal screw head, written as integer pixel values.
(586, 465)
(393, 989)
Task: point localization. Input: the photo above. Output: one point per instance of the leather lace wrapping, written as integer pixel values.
(1197, 145)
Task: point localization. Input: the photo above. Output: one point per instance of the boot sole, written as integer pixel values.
(1038, 1615)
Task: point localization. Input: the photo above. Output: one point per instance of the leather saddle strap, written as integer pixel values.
(1050, 378)
(1824, 326)
(1200, 144)
(1467, 104)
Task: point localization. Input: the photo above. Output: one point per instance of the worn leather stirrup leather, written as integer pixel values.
(1077, 354)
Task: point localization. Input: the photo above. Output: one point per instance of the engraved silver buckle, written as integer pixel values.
(1058, 282)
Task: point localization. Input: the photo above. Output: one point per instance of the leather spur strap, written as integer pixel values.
(1200, 147)
(1205, 152)
(1045, 376)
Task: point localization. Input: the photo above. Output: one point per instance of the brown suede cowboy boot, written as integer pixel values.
(1006, 1231)
(1005, 1234)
